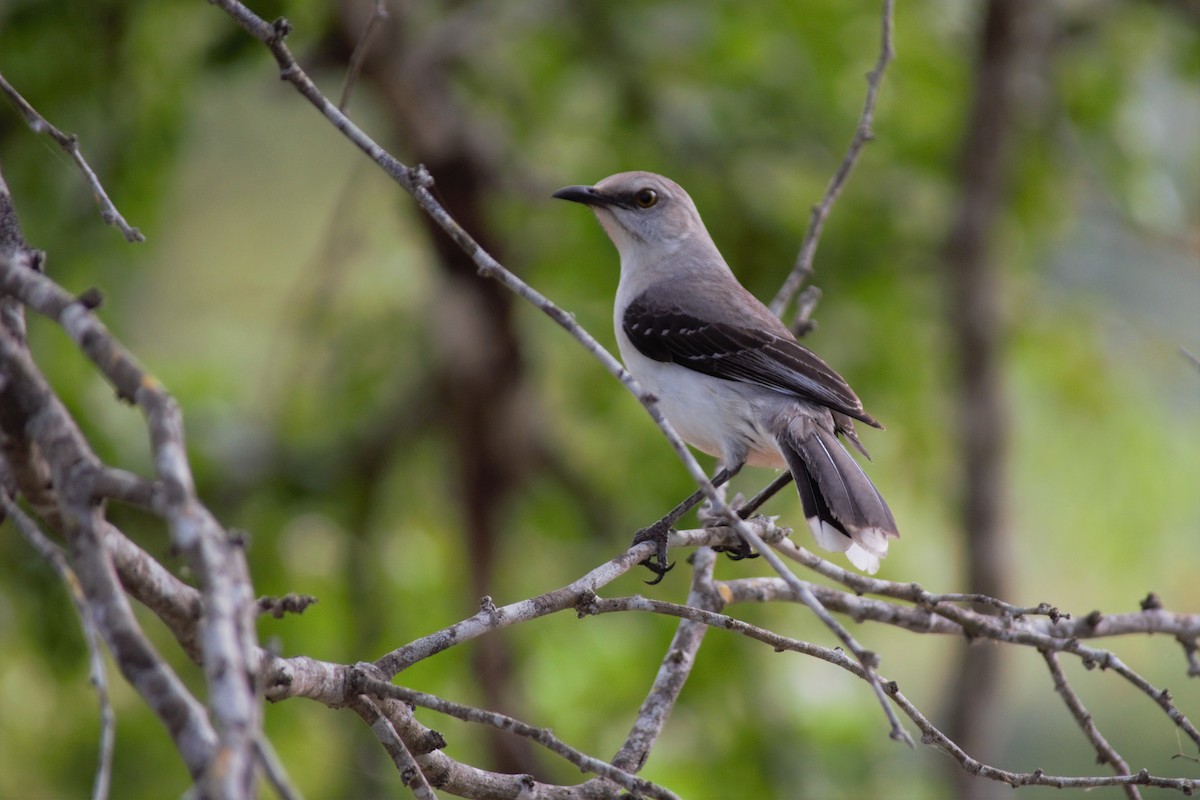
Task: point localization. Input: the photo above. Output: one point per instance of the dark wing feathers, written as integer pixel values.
(738, 353)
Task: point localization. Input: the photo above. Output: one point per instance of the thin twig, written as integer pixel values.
(418, 183)
(378, 15)
(638, 786)
(713, 619)
(867, 658)
(128, 487)
(1107, 754)
(230, 640)
(70, 143)
(25, 394)
(1007, 610)
(859, 609)
(675, 667)
(98, 675)
(491, 617)
(1190, 356)
(393, 743)
(273, 769)
(930, 735)
(862, 134)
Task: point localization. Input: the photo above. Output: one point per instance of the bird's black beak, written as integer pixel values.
(588, 195)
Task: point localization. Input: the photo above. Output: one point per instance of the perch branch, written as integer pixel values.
(418, 182)
(930, 733)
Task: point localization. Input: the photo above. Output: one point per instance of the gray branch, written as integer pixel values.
(70, 144)
(816, 223)
(98, 674)
(65, 484)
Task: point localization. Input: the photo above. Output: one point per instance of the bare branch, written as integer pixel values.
(274, 770)
(860, 609)
(127, 487)
(312, 678)
(69, 143)
(1191, 357)
(867, 658)
(229, 638)
(178, 605)
(383, 729)
(29, 405)
(491, 618)
(1105, 751)
(675, 668)
(1190, 653)
(455, 777)
(417, 182)
(806, 303)
(1007, 610)
(290, 603)
(930, 735)
(979, 625)
(99, 675)
(862, 134)
(713, 619)
(378, 15)
(367, 685)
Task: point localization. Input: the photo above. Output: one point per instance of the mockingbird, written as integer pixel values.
(730, 377)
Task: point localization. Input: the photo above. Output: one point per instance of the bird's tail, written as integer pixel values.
(844, 509)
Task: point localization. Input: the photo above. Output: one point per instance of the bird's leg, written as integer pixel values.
(707, 515)
(659, 531)
(766, 494)
(742, 550)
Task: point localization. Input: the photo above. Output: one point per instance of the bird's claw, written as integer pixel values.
(739, 551)
(656, 563)
(736, 552)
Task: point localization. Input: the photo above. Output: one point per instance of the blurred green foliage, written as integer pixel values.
(286, 296)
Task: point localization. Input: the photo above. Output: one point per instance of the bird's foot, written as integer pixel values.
(736, 552)
(656, 563)
(742, 549)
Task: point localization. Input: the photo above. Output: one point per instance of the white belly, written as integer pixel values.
(718, 417)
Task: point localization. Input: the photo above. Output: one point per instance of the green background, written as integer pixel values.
(287, 295)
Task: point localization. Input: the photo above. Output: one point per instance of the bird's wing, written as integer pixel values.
(738, 353)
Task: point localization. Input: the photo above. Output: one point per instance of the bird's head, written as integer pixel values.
(644, 214)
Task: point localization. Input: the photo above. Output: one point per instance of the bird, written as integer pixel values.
(728, 375)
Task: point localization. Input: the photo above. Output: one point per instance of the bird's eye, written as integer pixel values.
(646, 198)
